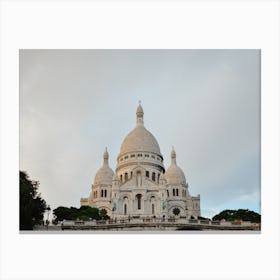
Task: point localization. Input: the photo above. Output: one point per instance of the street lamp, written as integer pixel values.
(48, 214)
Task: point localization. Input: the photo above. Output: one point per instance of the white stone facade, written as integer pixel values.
(140, 187)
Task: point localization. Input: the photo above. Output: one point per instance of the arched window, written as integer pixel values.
(173, 192)
(105, 193)
(138, 197)
(167, 192)
(125, 176)
(154, 176)
(147, 174)
(131, 174)
(125, 209)
(177, 192)
(101, 193)
(121, 178)
(158, 177)
(153, 209)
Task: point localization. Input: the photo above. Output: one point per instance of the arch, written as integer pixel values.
(151, 195)
(126, 195)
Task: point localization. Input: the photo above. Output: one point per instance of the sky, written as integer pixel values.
(205, 103)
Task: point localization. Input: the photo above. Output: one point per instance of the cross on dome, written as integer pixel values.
(139, 114)
(173, 156)
(106, 156)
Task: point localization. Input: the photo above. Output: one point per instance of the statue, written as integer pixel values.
(163, 204)
(114, 206)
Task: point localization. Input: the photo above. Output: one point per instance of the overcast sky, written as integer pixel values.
(205, 103)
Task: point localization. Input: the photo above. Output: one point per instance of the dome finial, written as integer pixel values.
(173, 156)
(106, 156)
(139, 114)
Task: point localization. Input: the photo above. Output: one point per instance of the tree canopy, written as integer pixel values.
(84, 213)
(32, 206)
(240, 214)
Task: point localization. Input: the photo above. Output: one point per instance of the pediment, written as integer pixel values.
(145, 182)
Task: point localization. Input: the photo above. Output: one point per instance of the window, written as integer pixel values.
(147, 174)
(138, 197)
(173, 192)
(153, 176)
(177, 192)
(101, 193)
(105, 193)
(153, 157)
(153, 209)
(125, 209)
(158, 176)
(125, 176)
(167, 192)
(139, 155)
(121, 178)
(131, 174)
(176, 211)
(125, 157)
(132, 155)
(147, 155)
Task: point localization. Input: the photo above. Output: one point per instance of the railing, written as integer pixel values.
(157, 220)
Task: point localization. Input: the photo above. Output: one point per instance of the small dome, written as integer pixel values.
(105, 174)
(174, 174)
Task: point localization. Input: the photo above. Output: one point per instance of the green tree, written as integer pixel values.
(103, 214)
(83, 213)
(32, 206)
(240, 214)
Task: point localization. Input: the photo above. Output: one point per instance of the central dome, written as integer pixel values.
(140, 139)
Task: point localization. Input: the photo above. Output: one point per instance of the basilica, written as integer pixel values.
(140, 185)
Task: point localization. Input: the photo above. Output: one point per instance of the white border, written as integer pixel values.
(177, 24)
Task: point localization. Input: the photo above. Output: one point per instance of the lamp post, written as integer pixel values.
(48, 214)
